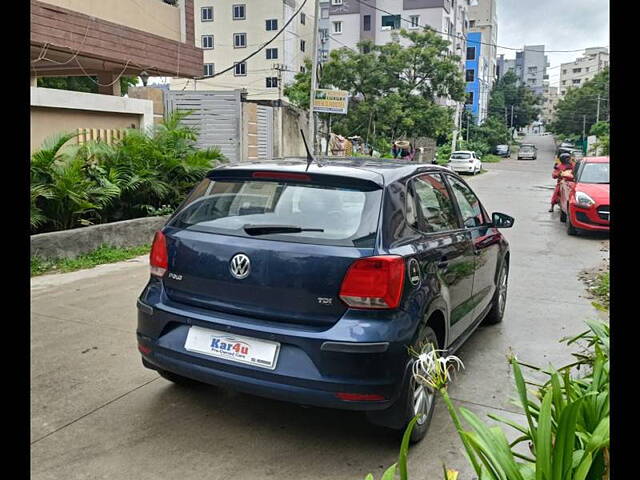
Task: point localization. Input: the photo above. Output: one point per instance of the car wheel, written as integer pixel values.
(571, 230)
(499, 301)
(413, 400)
(563, 216)
(177, 379)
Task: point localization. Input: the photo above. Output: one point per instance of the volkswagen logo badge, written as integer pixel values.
(240, 266)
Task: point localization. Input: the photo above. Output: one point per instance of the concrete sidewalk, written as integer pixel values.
(97, 413)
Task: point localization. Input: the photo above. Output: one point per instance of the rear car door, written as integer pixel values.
(443, 245)
(486, 244)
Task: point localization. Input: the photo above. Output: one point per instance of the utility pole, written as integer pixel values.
(598, 110)
(314, 79)
(279, 67)
(511, 116)
(468, 120)
(455, 128)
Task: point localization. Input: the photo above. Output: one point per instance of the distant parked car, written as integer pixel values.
(502, 150)
(584, 196)
(465, 161)
(527, 151)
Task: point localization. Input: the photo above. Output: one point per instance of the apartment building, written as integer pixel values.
(530, 66)
(574, 74)
(481, 56)
(381, 20)
(228, 31)
(477, 76)
(550, 100)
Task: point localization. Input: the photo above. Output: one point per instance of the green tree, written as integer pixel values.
(397, 87)
(505, 94)
(83, 84)
(578, 108)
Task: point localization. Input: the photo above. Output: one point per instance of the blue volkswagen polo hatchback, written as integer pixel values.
(311, 283)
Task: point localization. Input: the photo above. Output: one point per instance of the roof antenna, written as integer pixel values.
(310, 158)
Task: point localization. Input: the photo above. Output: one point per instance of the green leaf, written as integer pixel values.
(543, 444)
(404, 449)
(389, 473)
(565, 439)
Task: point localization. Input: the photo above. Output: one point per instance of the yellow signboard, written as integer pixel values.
(330, 101)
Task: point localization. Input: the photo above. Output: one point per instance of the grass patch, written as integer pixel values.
(600, 289)
(99, 256)
(489, 158)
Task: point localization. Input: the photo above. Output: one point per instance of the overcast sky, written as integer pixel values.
(556, 24)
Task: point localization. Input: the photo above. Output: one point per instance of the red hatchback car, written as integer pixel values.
(584, 196)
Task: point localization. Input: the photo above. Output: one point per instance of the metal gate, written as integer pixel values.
(215, 114)
(265, 131)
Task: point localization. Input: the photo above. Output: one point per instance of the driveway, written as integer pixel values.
(97, 413)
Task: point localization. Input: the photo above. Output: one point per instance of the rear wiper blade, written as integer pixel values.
(266, 229)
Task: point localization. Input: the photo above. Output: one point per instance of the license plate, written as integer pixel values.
(235, 348)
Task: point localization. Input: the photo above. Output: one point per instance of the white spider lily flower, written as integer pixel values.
(433, 370)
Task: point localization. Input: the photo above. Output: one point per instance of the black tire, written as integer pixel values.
(499, 301)
(563, 216)
(571, 230)
(403, 409)
(177, 379)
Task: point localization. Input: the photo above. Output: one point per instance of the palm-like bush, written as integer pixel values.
(97, 182)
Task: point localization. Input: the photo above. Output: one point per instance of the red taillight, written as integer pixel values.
(360, 397)
(374, 282)
(144, 349)
(282, 176)
(159, 258)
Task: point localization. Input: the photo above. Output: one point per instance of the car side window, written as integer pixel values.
(470, 208)
(411, 215)
(436, 212)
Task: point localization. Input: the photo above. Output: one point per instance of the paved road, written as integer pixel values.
(97, 413)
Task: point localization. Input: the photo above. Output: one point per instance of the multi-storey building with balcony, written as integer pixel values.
(574, 74)
(228, 31)
(530, 67)
(480, 68)
(550, 98)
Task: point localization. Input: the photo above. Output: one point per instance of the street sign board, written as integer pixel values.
(330, 101)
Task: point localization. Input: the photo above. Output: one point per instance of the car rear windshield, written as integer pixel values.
(346, 216)
(526, 149)
(594, 173)
(460, 156)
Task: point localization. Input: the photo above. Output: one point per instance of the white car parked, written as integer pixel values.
(465, 161)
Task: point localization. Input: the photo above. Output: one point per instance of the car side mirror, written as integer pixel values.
(502, 220)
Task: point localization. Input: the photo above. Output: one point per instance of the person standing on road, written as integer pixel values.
(559, 171)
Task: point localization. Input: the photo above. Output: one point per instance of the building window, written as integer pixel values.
(303, 18)
(240, 69)
(471, 53)
(239, 40)
(576, 82)
(469, 100)
(336, 2)
(302, 69)
(206, 14)
(272, 24)
(272, 53)
(390, 22)
(472, 23)
(564, 82)
(207, 41)
(577, 70)
(587, 69)
(324, 34)
(239, 12)
(337, 27)
(366, 23)
(564, 71)
(302, 45)
(272, 82)
(324, 13)
(415, 21)
(469, 75)
(208, 69)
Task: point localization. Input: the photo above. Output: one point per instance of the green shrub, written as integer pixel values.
(143, 173)
(567, 417)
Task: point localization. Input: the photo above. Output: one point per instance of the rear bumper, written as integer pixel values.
(466, 167)
(309, 370)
